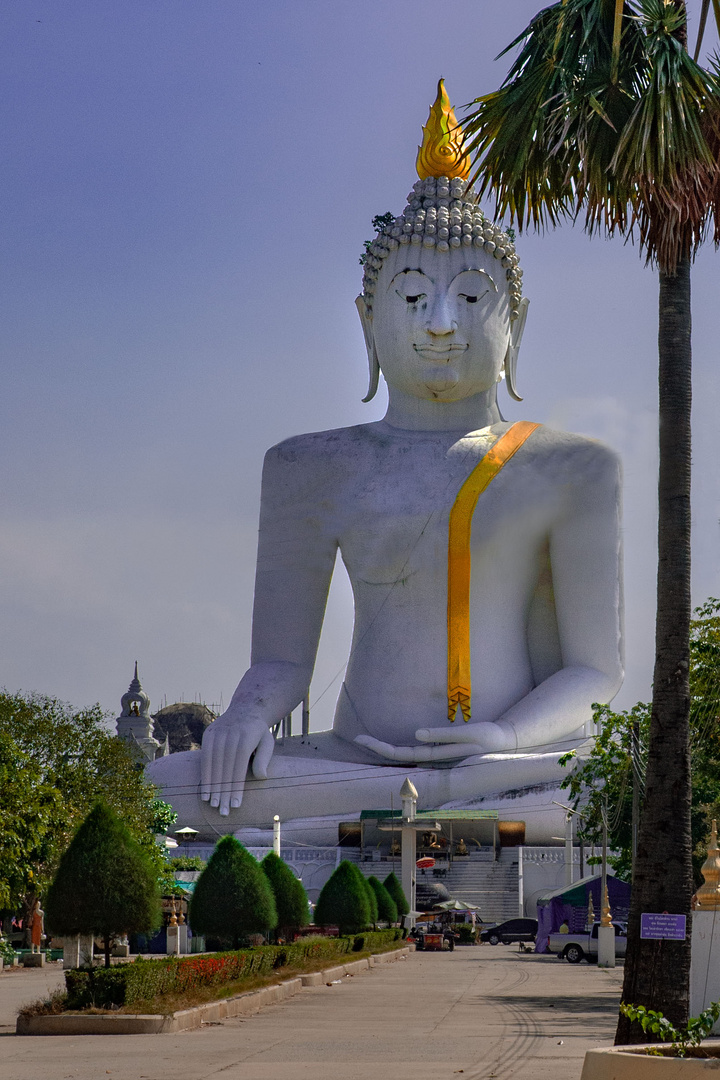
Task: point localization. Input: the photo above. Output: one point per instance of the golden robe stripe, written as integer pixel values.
(459, 563)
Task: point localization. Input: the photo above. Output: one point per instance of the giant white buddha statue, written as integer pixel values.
(484, 558)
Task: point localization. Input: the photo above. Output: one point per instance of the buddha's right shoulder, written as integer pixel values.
(335, 449)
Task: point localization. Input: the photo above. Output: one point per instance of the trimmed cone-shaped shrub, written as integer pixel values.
(371, 898)
(105, 883)
(395, 889)
(290, 897)
(343, 901)
(387, 908)
(232, 897)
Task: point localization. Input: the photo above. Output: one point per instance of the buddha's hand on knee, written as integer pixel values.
(470, 738)
(229, 746)
(451, 744)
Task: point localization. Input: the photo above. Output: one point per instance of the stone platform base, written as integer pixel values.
(34, 959)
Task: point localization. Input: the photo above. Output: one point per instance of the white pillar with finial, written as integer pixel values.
(409, 796)
(705, 955)
(606, 930)
(606, 934)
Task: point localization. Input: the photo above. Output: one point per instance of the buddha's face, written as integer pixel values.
(441, 322)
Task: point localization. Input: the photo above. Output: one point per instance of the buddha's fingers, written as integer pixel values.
(415, 755)
(234, 764)
(262, 756)
(484, 737)
(206, 765)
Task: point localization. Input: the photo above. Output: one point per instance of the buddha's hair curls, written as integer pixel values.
(443, 214)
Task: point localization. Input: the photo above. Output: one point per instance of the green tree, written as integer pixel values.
(616, 766)
(371, 898)
(163, 816)
(290, 897)
(343, 901)
(387, 908)
(105, 883)
(27, 809)
(73, 761)
(232, 897)
(605, 113)
(395, 889)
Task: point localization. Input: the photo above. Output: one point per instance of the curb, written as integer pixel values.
(191, 1019)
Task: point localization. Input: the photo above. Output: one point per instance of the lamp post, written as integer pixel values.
(276, 835)
(409, 796)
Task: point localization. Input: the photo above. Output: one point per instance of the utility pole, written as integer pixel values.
(568, 849)
(276, 835)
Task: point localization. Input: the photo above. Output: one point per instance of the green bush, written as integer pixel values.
(343, 900)
(290, 897)
(395, 889)
(187, 862)
(7, 953)
(105, 883)
(144, 980)
(466, 932)
(387, 908)
(232, 898)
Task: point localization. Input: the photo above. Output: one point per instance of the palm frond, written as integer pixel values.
(607, 116)
(701, 27)
(663, 136)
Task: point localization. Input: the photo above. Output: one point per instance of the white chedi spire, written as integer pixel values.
(134, 724)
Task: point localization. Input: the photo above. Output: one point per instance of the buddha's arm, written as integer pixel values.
(296, 555)
(585, 553)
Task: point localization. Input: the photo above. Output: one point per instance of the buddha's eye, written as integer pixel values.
(412, 299)
(472, 299)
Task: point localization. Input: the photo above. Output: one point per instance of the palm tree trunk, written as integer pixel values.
(657, 973)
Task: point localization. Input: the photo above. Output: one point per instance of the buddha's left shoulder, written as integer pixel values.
(572, 456)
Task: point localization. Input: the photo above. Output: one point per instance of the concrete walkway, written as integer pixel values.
(482, 1013)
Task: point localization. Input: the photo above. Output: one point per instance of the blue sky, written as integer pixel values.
(185, 189)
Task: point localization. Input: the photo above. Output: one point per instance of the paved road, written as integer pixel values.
(482, 1013)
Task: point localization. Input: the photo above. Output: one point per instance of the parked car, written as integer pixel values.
(584, 946)
(509, 931)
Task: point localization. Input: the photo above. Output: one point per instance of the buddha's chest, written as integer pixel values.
(395, 515)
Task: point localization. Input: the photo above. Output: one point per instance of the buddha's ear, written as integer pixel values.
(373, 364)
(517, 328)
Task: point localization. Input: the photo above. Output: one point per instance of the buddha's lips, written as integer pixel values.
(439, 352)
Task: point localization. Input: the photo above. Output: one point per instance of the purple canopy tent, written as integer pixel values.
(570, 904)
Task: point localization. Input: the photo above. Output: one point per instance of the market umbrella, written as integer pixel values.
(456, 905)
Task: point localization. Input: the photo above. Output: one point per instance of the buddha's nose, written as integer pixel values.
(442, 318)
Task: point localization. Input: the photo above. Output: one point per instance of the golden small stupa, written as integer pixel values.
(606, 914)
(708, 895)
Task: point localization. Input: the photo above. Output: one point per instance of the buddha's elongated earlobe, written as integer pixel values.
(516, 332)
(373, 363)
(374, 374)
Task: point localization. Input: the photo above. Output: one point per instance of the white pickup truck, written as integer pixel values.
(584, 946)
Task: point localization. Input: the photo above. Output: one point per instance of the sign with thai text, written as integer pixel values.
(657, 927)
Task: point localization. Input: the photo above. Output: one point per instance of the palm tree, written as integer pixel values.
(605, 115)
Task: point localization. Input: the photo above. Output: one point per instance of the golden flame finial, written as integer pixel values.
(441, 153)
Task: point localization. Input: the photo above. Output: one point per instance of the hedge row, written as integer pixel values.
(147, 979)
